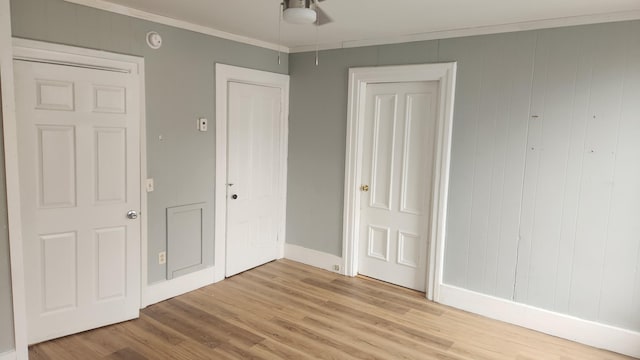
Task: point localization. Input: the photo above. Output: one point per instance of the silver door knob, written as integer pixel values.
(132, 214)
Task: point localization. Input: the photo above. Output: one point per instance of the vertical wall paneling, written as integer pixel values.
(621, 254)
(548, 147)
(490, 131)
(622, 257)
(543, 202)
(559, 189)
(576, 215)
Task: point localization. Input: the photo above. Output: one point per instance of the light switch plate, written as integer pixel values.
(202, 124)
(150, 185)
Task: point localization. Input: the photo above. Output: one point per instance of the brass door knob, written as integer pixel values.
(364, 188)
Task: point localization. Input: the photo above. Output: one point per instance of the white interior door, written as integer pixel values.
(79, 164)
(253, 174)
(397, 173)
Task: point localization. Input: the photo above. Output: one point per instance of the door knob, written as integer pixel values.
(364, 188)
(132, 214)
(234, 196)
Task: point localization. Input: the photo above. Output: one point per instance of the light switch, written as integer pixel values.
(149, 185)
(202, 124)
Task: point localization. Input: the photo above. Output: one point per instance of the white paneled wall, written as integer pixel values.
(545, 181)
(490, 127)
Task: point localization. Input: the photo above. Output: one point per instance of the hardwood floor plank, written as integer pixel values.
(287, 310)
(416, 303)
(354, 294)
(327, 341)
(173, 317)
(151, 330)
(125, 354)
(274, 350)
(374, 340)
(223, 329)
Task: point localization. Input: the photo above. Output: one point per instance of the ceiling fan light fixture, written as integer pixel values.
(300, 16)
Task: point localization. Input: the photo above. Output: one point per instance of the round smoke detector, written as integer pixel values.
(154, 40)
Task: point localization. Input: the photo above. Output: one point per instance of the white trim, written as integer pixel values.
(42, 51)
(65, 54)
(11, 355)
(568, 327)
(445, 74)
(144, 15)
(12, 186)
(479, 30)
(224, 74)
(144, 209)
(314, 258)
(181, 285)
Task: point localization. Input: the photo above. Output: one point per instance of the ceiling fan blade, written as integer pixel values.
(323, 18)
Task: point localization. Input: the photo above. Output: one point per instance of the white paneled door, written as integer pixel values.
(79, 161)
(397, 181)
(253, 210)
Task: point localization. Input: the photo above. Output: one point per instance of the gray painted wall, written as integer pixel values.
(6, 306)
(542, 210)
(317, 137)
(179, 88)
(499, 78)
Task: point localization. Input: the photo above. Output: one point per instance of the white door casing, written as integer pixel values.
(397, 168)
(253, 175)
(242, 79)
(79, 164)
(359, 78)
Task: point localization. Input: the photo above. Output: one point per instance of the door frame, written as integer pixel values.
(74, 56)
(359, 78)
(224, 75)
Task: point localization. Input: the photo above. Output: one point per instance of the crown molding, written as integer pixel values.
(480, 30)
(143, 15)
(434, 35)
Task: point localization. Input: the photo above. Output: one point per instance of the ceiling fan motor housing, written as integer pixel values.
(299, 12)
(301, 4)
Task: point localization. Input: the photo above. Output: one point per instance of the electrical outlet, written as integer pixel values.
(150, 186)
(162, 257)
(336, 267)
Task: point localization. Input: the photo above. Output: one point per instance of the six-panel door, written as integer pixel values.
(79, 162)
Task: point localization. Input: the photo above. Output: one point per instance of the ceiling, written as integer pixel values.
(362, 22)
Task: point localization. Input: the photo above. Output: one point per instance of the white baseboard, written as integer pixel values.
(314, 258)
(586, 332)
(11, 355)
(155, 293)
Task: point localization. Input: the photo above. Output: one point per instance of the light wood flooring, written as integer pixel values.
(286, 310)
